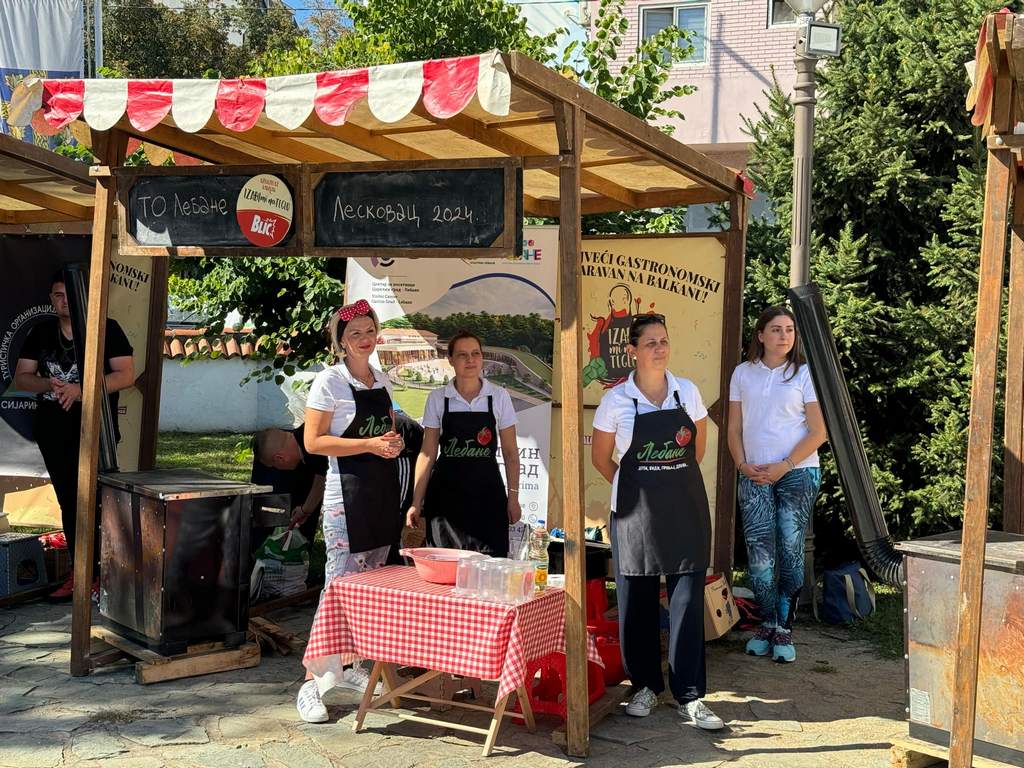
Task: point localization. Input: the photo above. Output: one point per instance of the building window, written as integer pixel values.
(779, 13)
(692, 17)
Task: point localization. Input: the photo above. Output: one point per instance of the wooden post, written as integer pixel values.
(979, 454)
(109, 149)
(1013, 442)
(153, 374)
(732, 340)
(569, 121)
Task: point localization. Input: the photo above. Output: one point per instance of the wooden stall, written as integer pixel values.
(997, 98)
(566, 153)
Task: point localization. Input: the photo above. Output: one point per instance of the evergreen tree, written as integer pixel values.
(898, 188)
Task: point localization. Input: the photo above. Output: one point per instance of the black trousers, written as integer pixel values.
(640, 633)
(57, 435)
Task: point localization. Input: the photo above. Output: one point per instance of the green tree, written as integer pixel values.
(289, 301)
(898, 177)
(146, 38)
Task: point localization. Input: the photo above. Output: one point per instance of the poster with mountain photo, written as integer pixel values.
(508, 303)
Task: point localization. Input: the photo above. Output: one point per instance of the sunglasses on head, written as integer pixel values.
(652, 317)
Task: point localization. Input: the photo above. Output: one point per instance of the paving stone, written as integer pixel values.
(42, 719)
(35, 638)
(158, 733)
(292, 756)
(16, 655)
(250, 730)
(776, 716)
(136, 761)
(215, 756)
(39, 750)
(396, 756)
(97, 745)
(622, 729)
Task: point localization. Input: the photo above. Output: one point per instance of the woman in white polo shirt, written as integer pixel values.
(460, 493)
(775, 429)
(649, 437)
(349, 419)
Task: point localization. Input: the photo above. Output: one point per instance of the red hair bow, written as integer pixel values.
(349, 311)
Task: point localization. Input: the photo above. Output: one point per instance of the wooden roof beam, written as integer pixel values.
(177, 140)
(514, 147)
(44, 159)
(46, 201)
(32, 217)
(261, 137)
(538, 79)
(364, 139)
(645, 200)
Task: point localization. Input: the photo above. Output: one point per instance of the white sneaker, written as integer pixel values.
(355, 678)
(698, 713)
(311, 708)
(642, 703)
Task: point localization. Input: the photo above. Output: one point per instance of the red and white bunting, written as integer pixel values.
(446, 87)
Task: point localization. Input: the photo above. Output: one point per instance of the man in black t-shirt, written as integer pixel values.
(280, 459)
(48, 366)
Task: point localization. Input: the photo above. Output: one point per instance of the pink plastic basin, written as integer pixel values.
(436, 564)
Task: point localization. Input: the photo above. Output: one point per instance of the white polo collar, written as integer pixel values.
(632, 391)
(378, 377)
(486, 388)
(760, 364)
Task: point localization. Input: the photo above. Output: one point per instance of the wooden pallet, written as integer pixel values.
(908, 752)
(152, 667)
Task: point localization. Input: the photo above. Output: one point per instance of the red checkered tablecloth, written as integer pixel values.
(392, 615)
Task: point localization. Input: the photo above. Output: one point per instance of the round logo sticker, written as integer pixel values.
(265, 210)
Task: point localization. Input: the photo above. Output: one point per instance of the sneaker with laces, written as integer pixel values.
(783, 650)
(64, 592)
(642, 703)
(698, 713)
(355, 678)
(761, 643)
(311, 707)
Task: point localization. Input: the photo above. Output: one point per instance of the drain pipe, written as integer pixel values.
(865, 510)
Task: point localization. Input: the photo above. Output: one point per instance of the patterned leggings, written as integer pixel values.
(774, 522)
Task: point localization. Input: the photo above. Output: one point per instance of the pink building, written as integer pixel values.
(738, 46)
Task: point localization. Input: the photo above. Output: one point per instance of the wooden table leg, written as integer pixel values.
(492, 732)
(364, 705)
(391, 682)
(524, 704)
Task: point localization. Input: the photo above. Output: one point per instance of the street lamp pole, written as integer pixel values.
(803, 162)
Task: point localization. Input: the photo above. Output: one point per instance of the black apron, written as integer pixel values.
(661, 523)
(466, 506)
(369, 483)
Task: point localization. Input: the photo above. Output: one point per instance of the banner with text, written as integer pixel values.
(678, 277)
(509, 303)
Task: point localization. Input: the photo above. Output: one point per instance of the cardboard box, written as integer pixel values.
(720, 614)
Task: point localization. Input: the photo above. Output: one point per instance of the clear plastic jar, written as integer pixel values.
(467, 576)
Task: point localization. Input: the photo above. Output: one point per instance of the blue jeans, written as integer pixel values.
(774, 522)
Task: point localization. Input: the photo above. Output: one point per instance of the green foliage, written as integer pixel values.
(641, 84)
(145, 38)
(898, 189)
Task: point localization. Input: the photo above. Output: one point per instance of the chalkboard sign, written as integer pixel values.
(451, 208)
(209, 211)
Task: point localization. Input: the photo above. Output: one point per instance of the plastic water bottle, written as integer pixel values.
(538, 555)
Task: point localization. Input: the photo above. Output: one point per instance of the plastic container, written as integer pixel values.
(436, 564)
(487, 578)
(467, 576)
(538, 553)
(519, 582)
